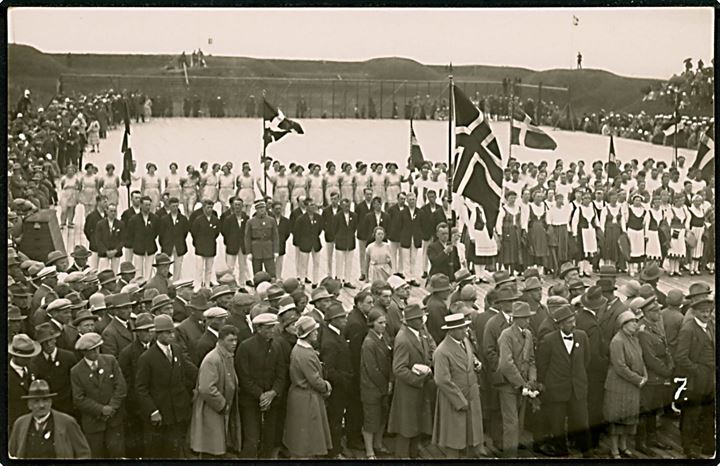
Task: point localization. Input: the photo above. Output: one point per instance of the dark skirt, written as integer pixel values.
(610, 249)
(375, 416)
(558, 239)
(537, 240)
(709, 244)
(510, 246)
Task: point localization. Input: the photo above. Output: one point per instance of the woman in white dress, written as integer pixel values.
(88, 188)
(696, 225)
(190, 183)
(558, 221)
(315, 184)
(653, 219)
(677, 218)
(485, 248)
(380, 263)
(209, 184)
(68, 199)
(331, 182)
(635, 228)
(226, 181)
(297, 184)
(345, 179)
(173, 185)
(583, 225)
(109, 184)
(281, 187)
(246, 187)
(361, 181)
(151, 186)
(393, 182)
(378, 182)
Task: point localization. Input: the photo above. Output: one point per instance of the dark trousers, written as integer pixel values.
(697, 422)
(406, 447)
(134, 436)
(653, 400)
(259, 430)
(596, 418)
(336, 406)
(492, 417)
(165, 440)
(354, 417)
(268, 264)
(107, 444)
(576, 413)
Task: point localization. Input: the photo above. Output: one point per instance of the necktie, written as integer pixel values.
(568, 338)
(168, 353)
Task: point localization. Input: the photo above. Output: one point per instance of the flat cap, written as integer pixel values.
(88, 341)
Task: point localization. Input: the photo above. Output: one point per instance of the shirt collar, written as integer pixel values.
(43, 419)
(89, 362)
(163, 348)
(19, 369)
(701, 324)
(213, 331)
(414, 332)
(508, 317)
(304, 343)
(563, 334)
(122, 322)
(459, 342)
(52, 355)
(59, 324)
(331, 327)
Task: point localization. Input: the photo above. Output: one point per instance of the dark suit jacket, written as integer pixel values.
(368, 224)
(433, 220)
(397, 222)
(493, 329)
(436, 312)
(361, 210)
(68, 438)
(335, 355)
(598, 365)
(91, 391)
(412, 233)
(180, 310)
(695, 358)
(205, 233)
(440, 261)
(115, 338)
(328, 223)
(57, 376)
(106, 239)
(344, 231)
(204, 345)
(294, 215)
(239, 322)
(283, 234)
(142, 236)
(260, 367)
(564, 375)
(174, 235)
(163, 386)
(17, 387)
(355, 331)
(128, 361)
(125, 218)
(234, 234)
(188, 333)
(307, 233)
(91, 223)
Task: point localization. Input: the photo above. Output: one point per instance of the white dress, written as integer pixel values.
(652, 247)
(635, 228)
(677, 219)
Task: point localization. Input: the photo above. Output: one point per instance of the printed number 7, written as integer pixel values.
(679, 391)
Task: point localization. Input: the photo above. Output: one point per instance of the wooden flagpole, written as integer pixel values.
(510, 113)
(264, 145)
(451, 165)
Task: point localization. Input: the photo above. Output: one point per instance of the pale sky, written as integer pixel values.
(644, 42)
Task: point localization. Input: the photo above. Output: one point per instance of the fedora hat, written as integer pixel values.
(198, 302)
(14, 313)
(530, 273)
(97, 302)
(698, 289)
(630, 288)
(606, 284)
(625, 317)
(563, 312)
(704, 303)
(80, 251)
(521, 309)
(143, 321)
(119, 300)
(19, 290)
(162, 259)
(160, 301)
(412, 311)
(319, 293)
(106, 276)
(646, 290)
(439, 282)
(305, 325)
(55, 256)
(126, 267)
(23, 346)
(593, 299)
(607, 270)
(45, 331)
(464, 275)
(84, 315)
(39, 389)
(456, 320)
(163, 323)
(532, 283)
(649, 304)
(334, 311)
(652, 271)
(275, 292)
(220, 290)
(566, 267)
(506, 295)
(577, 284)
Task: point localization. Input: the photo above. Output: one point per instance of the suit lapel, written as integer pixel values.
(561, 345)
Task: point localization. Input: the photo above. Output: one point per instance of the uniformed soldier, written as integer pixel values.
(261, 240)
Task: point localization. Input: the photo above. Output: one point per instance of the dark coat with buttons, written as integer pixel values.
(307, 233)
(345, 231)
(174, 234)
(205, 232)
(563, 374)
(143, 236)
(92, 390)
(234, 234)
(261, 237)
(57, 375)
(107, 238)
(260, 367)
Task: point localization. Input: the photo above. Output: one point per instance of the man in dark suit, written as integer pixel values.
(301, 209)
(110, 237)
(183, 294)
(233, 232)
(164, 383)
(433, 216)
(174, 228)
(126, 216)
(53, 365)
(143, 230)
(21, 351)
(91, 223)
(335, 355)
(563, 358)
(215, 318)
(411, 238)
(44, 432)
(60, 313)
(118, 333)
(263, 375)
(355, 332)
(397, 223)
(240, 306)
(442, 254)
(99, 389)
(307, 232)
(205, 229)
(134, 427)
(695, 359)
(161, 280)
(439, 289)
(361, 210)
(328, 226)
(345, 225)
(192, 328)
(283, 227)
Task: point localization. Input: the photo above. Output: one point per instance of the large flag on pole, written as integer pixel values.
(705, 159)
(416, 154)
(524, 133)
(612, 168)
(125, 149)
(478, 172)
(276, 124)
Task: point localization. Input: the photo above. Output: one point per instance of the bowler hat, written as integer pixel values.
(23, 346)
(521, 309)
(55, 256)
(593, 298)
(505, 295)
(674, 298)
(305, 325)
(334, 311)
(143, 321)
(163, 323)
(698, 289)
(260, 277)
(106, 276)
(563, 312)
(290, 284)
(439, 282)
(468, 293)
(412, 311)
(39, 389)
(162, 259)
(456, 320)
(88, 341)
(566, 267)
(625, 317)
(45, 331)
(651, 272)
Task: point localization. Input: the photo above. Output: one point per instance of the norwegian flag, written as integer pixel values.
(528, 135)
(478, 163)
(416, 154)
(125, 149)
(705, 159)
(276, 124)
